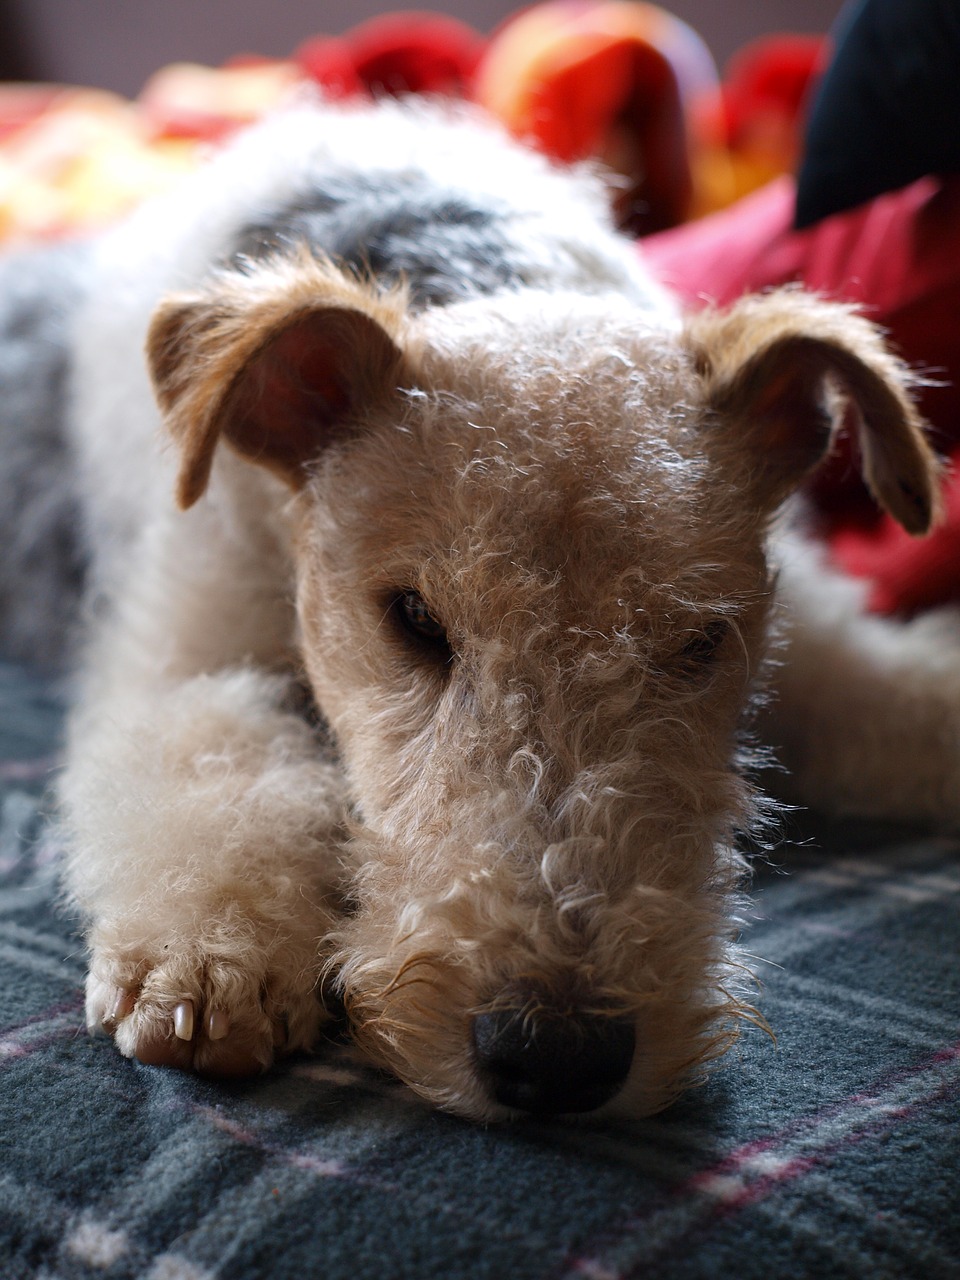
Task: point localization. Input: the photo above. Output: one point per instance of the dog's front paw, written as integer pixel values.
(194, 1008)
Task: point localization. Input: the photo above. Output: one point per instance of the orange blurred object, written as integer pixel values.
(185, 100)
(756, 121)
(608, 79)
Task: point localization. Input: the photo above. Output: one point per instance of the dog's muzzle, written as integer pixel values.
(550, 1062)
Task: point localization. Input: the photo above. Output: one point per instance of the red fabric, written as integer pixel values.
(898, 257)
(415, 52)
(330, 63)
(771, 76)
(906, 576)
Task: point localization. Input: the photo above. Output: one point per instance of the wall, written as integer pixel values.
(117, 43)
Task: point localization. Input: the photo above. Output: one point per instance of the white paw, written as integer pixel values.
(198, 1009)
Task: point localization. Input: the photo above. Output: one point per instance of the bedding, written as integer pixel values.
(831, 1153)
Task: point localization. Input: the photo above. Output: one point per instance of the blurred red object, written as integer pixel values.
(758, 115)
(607, 79)
(414, 52)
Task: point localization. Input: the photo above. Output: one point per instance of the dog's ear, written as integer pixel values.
(278, 362)
(782, 370)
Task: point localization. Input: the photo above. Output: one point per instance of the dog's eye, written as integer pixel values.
(411, 608)
(702, 647)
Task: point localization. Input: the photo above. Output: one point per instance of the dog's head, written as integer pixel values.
(533, 601)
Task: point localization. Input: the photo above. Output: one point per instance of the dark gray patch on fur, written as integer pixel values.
(393, 227)
(42, 561)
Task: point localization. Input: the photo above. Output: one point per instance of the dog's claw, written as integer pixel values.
(177, 1015)
(218, 1025)
(121, 1006)
(183, 1020)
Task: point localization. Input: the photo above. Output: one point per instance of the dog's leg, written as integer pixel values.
(203, 814)
(205, 822)
(866, 711)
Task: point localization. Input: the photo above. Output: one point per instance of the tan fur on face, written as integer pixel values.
(555, 807)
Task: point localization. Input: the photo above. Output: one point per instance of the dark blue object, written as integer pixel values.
(888, 109)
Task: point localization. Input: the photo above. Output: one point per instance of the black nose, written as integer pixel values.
(551, 1062)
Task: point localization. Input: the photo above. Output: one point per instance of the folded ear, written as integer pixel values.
(784, 369)
(278, 362)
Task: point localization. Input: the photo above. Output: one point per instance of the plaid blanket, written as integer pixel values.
(834, 1153)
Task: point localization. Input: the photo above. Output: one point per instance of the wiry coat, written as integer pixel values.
(448, 457)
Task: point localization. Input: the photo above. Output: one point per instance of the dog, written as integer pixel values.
(437, 694)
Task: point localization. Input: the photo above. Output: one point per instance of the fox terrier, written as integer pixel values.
(434, 696)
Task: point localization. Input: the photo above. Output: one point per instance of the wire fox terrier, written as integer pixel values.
(434, 699)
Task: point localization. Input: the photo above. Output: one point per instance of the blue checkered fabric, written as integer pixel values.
(834, 1153)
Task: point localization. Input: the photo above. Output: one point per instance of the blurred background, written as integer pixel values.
(116, 44)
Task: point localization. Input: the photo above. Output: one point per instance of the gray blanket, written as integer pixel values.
(834, 1153)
